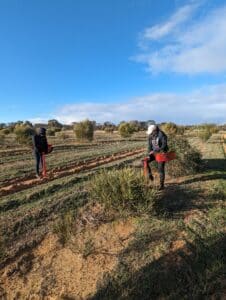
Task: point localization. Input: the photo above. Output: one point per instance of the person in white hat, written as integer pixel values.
(157, 142)
(151, 128)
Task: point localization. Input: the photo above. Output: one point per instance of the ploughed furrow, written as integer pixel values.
(16, 185)
(61, 147)
(77, 162)
(22, 168)
(25, 224)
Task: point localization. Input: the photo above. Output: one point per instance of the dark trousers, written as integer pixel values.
(161, 169)
(38, 161)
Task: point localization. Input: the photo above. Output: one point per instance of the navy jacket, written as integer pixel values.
(40, 143)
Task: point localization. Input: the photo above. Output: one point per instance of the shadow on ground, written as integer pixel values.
(204, 177)
(176, 200)
(196, 271)
(215, 164)
(179, 197)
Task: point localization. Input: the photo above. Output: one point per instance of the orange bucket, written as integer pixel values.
(163, 157)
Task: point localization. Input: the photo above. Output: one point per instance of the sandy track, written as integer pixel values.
(18, 184)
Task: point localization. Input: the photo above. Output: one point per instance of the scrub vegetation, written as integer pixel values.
(95, 227)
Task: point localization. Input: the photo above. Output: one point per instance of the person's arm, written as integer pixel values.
(163, 143)
(34, 143)
(149, 145)
(46, 146)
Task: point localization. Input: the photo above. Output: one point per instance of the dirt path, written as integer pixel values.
(52, 271)
(16, 185)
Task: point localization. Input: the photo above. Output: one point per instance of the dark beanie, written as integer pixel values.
(42, 131)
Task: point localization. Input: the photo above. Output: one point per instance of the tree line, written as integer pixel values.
(84, 130)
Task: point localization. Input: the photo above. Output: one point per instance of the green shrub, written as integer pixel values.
(135, 125)
(23, 134)
(5, 131)
(171, 128)
(188, 159)
(50, 132)
(84, 130)
(122, 190)
(126, 129)
(54, 124)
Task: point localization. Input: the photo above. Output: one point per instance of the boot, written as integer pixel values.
(151, 177)
(161, 187)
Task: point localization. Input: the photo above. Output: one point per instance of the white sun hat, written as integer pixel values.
(151, 128)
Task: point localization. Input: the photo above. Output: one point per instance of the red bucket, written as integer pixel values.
(50, 148)
(145, 166)
(163, 157)
(43, 165)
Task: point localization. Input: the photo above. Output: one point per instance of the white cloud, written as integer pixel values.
(207, 104)
(199, 46)
(159, 31)
(39, 120)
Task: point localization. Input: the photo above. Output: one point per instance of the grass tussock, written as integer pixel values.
(218, 191)
(2, 248)
(188, 160)
(122, 190)
(63, 228)
(88, 247)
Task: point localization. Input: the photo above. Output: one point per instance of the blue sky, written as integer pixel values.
(113, 60)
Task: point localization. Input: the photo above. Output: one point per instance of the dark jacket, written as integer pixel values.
(40, 143)
(157, 141)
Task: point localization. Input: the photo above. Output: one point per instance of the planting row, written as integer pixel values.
(28, 214)
(12, 154)
(23, 165)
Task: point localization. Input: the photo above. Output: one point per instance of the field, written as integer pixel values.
(177, 253)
